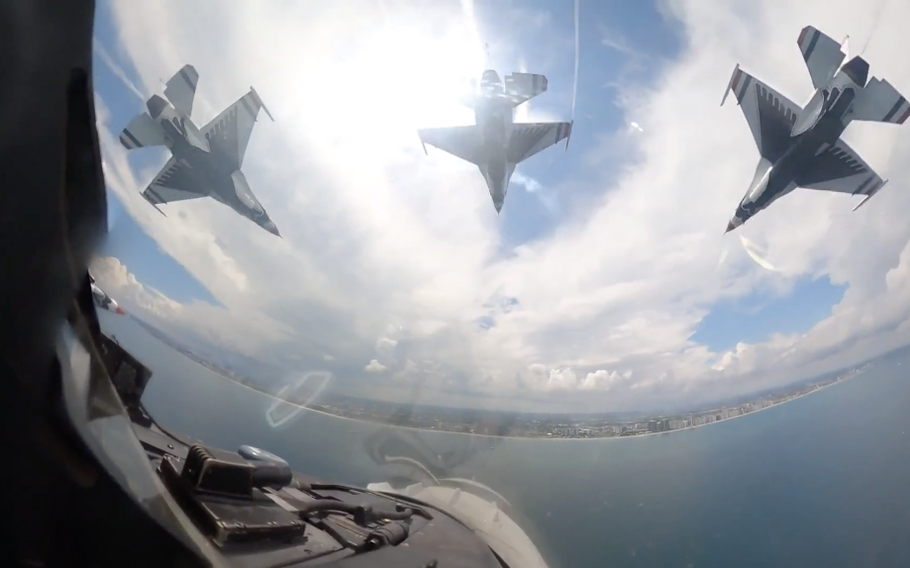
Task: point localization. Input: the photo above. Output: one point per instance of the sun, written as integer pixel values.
(400, 78)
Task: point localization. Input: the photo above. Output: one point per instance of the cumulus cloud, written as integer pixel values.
(379, 237)
(248, 332)
(374, 366)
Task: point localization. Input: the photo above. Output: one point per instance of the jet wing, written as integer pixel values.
(821, 53)
(173, 183)
(230, 131)
(462, 141)
(839, 168)
(181, 89)
(770, 114)
(880, 102)
(530, 138)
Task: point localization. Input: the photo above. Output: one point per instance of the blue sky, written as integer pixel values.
(755, 317)
(611, 47)
(145, 259)
(625, 50)
(126, 240)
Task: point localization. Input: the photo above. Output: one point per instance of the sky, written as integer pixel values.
(605, 284)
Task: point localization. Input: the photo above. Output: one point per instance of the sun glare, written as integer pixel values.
(399, 79)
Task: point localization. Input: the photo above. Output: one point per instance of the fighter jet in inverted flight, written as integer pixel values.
(103, 301)
(205, 162)
(496, 144)
(801, 147)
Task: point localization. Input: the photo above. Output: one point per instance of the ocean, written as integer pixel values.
(823, 480)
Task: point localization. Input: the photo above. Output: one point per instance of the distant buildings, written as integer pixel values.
(501, 423)
(533, 426)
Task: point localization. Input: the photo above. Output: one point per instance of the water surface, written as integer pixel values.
(820, 481)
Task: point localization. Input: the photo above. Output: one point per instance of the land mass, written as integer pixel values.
(309, 394)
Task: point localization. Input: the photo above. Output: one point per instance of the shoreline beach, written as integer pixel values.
(512, 437)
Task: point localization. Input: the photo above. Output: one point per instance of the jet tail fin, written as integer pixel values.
(522, 87)
(142, 132)
(880, 102)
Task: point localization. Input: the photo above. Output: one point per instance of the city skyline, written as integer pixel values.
(519, 424)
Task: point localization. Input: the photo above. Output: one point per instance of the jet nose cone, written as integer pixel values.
(270, 227)
(498, 206)
(734, 223)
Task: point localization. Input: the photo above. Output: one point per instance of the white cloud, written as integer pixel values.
(615, 39)
(376, 232)
(248, 332)
(117, 70)
(604, 380)
(374, 366)
(385, 345)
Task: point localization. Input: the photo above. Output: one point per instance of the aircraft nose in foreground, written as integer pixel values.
(734, 223)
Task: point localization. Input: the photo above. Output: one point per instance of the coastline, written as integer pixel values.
(548, 438)
(754, 412)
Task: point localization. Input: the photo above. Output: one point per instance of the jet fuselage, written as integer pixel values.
(836, 98)
(208, 163)
(775, 179)
(777, 175)
(494, 115)
(495, 143)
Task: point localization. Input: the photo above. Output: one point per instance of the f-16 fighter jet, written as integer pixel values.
(801, 147)
(103, 301)
(496, 144)
(205, 162)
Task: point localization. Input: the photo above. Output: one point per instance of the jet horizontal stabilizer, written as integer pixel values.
(522, 87)
(142, 132)
(881, 102)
